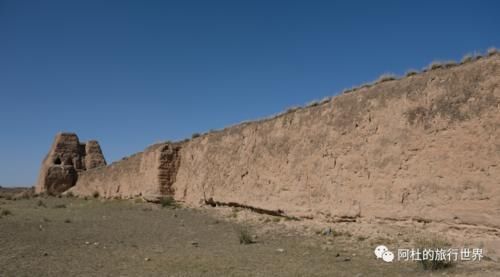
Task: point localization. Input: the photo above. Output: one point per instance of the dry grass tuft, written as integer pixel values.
(492, 51)
(244, 236)
(386, 78)
(411, 72)
(433, 244)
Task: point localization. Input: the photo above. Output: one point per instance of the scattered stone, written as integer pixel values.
(45, 254)
(281, 250)
(96, 243)
(87, 243)
(347, 259)
(147, 259)
(195, 243)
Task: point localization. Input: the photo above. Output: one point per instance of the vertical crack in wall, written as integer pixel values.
(169, 162)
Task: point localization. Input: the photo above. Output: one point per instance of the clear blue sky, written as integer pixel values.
(131, 73)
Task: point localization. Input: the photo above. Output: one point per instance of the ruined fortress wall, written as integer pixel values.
(131, 176)
(149, 174)
(425, 147)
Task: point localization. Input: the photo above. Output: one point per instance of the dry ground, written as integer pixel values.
(77, 237)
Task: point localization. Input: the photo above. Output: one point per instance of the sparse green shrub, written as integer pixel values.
(40, 203)
(168, 201)
(67, 221)
(385, 78)
(411, 72)
(347, 90)
(95, 194)
(435, 65)
(449, 64)
(292, 109)
(70, 194)
(325, 100)
(195, 135)
(60, 206)
(467, 58)
(313, 103)
(433, 243)
(244, 236)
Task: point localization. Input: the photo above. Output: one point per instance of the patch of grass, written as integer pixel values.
(449, 64)
(168, 202)
(244, 236)
(95, 194)
(70, 194)
(470, 58)
(60, 206)
(347, 90)
(411, 72)
(361, 238)
(5, 212)
(435, 65)
(40, 203)
(385, 78)
(336, 233)
(139, 200)
(325, 100)
(313, 103)
(433, 244)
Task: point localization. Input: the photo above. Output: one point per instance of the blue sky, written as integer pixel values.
(131, 73)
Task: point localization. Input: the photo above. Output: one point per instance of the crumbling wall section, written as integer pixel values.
(149, 174)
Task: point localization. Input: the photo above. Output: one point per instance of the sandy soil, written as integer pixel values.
(78, 237)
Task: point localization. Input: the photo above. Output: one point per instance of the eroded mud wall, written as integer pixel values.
(142, 174)
(426, 146)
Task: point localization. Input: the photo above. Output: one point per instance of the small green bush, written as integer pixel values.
(313, 103)
(411, 72)
(40, 203)
(435, 65)
(95, 194)
(385, 78)
(449, 64)
(492, 51)
(168, 201)
(195, 135)
(60, 206)
(244, 236)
